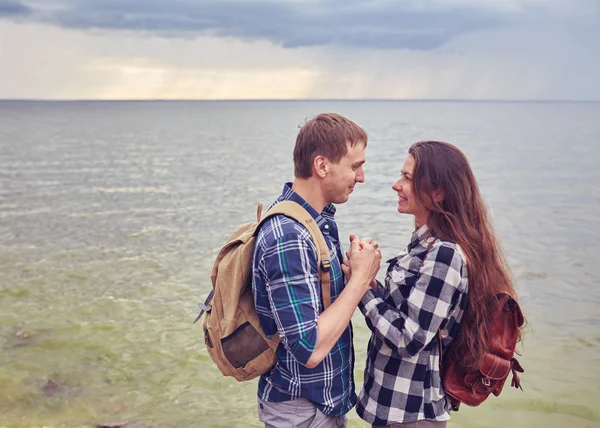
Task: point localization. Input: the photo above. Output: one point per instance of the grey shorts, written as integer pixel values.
(299, 413)
(419, 424)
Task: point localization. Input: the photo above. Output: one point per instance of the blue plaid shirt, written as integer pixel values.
(287, 294)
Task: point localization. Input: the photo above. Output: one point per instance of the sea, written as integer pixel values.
(112, 213)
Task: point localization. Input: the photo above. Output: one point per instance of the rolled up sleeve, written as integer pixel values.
(411, 326)
(292, 285)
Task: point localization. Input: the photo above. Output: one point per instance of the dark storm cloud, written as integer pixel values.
(421, 25)
(13, 9)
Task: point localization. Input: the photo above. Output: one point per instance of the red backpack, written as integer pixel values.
(473, 387)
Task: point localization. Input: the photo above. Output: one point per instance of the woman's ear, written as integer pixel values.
(320, 166)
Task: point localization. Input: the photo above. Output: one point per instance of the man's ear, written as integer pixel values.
(320, 165)
(438, 195)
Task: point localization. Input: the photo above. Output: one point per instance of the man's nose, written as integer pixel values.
(360, 176)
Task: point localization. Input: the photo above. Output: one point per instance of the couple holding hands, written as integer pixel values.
(432, 301)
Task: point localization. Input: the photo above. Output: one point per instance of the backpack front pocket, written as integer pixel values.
(243, 345)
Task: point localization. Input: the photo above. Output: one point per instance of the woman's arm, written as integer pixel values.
(410, 327)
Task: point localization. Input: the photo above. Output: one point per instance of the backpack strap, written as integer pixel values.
(296, 212)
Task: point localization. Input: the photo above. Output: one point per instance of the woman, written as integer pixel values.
(440, 285)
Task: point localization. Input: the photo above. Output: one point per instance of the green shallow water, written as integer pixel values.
(116, 367)
(124, 356)
(111, 215)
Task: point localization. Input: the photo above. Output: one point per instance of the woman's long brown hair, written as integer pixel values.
(441, 169)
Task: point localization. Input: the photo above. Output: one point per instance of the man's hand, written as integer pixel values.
(361, 268)
(363, 261)
(346, 267)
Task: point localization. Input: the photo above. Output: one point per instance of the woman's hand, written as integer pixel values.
(346, 265)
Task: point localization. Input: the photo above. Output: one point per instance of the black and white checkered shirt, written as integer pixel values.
(424, 291)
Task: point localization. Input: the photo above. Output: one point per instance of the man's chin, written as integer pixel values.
(342, 199)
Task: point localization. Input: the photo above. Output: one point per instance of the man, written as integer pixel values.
(312, 384)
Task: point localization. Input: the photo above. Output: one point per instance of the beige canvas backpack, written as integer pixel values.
(233, 335)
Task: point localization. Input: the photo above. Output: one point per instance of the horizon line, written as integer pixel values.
(465, 100)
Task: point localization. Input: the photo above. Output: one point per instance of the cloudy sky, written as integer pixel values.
(284, 49)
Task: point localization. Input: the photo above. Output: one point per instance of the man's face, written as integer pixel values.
(342, 177)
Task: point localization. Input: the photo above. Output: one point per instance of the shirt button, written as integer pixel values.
(326, 226)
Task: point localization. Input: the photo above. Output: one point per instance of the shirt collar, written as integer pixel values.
(419, 236)
(288, 194)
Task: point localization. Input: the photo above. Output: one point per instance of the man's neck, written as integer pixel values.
(311, 192)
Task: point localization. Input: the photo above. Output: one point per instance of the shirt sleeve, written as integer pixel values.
(413, 325)
(292, 283)
(378, 292)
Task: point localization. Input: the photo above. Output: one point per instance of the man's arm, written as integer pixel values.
(334, 320)
(291, 276)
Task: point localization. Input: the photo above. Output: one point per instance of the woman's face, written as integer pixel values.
(407, 203)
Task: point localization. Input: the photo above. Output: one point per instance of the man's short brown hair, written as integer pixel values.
(325, 135)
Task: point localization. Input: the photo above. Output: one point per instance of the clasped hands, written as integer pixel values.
(363, 259)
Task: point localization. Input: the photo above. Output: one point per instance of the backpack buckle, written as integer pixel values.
(203, 308)
(206, 306)
(325, 265)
